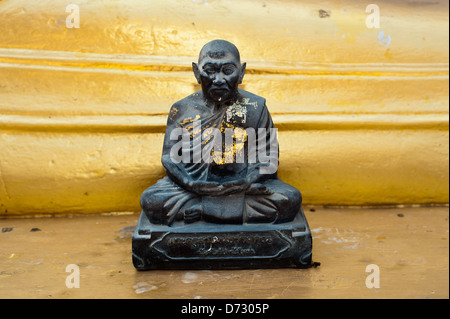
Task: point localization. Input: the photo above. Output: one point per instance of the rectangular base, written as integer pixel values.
(212, 246)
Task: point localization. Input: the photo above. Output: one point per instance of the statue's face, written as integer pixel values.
(220, 76)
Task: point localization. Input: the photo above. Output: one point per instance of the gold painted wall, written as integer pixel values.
(82, 110)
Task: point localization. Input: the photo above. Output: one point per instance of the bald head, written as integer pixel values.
(218, 49)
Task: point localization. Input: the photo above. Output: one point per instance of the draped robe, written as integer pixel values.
(168, 200)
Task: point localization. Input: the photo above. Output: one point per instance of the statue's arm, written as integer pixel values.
(266, 166)
(178, 175)
(264, 169)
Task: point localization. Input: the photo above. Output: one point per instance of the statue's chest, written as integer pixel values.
(237, 114)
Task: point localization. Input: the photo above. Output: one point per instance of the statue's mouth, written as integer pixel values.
(219, 91)
(219, 94)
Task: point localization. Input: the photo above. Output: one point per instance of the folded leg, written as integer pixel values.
(281, 206)
(163, 202)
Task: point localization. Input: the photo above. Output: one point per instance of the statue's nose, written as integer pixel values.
(219, 79)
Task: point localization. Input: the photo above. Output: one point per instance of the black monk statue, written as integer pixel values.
(212, 188)
(220, 155)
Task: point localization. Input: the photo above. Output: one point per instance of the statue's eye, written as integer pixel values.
(209, 70)
(228, 70)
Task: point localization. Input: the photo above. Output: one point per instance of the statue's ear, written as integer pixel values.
(196, 72)
(241, 76)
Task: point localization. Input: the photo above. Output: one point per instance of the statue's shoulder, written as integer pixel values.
(185, 106)
(192, 99)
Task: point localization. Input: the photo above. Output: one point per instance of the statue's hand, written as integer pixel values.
(235, 187)
(203, 188)
(259, 189)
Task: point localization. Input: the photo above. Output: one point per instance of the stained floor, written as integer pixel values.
(409, 246)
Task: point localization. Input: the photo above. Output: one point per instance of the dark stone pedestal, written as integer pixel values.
(212, 246)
